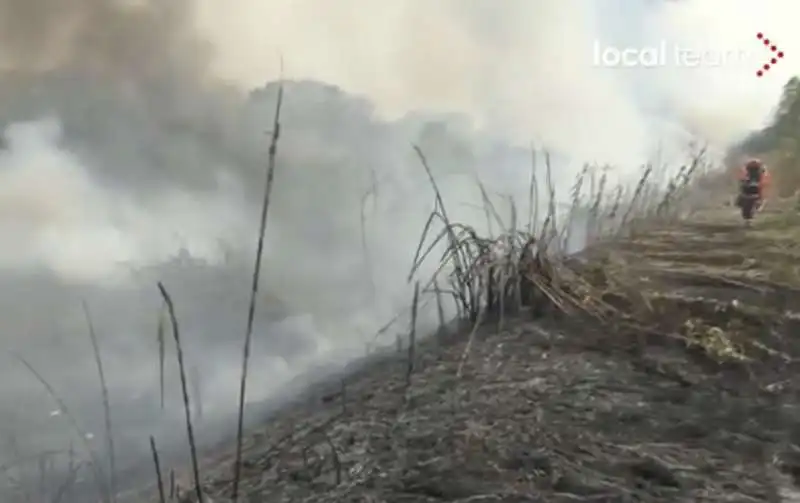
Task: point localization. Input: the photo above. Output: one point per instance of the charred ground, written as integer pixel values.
(670, 374)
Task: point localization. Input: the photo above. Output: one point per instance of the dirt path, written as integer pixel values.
(692, 397)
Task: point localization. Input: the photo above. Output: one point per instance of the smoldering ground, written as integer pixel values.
(125, 164)
(129, 160)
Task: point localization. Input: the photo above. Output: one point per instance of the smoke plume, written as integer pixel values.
(135, 141)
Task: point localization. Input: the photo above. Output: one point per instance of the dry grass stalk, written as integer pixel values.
(184, 389)
(112, 477)
(99, 476)
(524, 269)
(157, 466)
(533, 196)
(439, 308)
(161, 340)
(271, 162)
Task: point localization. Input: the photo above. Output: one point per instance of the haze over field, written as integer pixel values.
(133, 132)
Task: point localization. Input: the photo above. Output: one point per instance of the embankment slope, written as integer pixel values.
(685, 390)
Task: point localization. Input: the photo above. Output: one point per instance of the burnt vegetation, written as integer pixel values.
(658, 364)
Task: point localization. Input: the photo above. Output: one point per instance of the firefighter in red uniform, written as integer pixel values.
(754, 180)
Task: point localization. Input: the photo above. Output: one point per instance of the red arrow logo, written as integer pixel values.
(776, 54)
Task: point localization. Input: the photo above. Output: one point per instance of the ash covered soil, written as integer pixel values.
(685, 390)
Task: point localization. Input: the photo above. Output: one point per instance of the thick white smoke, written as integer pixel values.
(53, 215)
(526, 68)
(131, 136)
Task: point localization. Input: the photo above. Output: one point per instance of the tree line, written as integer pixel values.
(778, 143)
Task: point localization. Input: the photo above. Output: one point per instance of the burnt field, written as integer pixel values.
(663, 367)
(656, 364)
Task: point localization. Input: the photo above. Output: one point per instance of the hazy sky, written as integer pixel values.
(522, 70)
(525, 65)
(165, 117)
